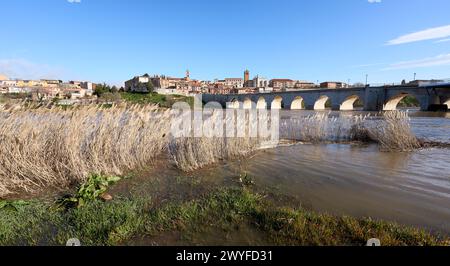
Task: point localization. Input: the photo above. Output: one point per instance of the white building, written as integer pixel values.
(234, 82)
(19, 90)
(260, 82)
(8, 83)
(89, 87)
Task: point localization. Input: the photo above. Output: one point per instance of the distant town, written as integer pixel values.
(50, 89)
(246, 85)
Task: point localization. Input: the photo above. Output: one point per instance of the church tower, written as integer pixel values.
(246, 76)
(188, 75)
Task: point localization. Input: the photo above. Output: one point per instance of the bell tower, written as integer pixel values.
(188, 75)
(246, 76)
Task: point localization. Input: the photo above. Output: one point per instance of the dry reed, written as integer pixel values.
(52, 147)
(191, 153)
(393, 132)
(321, 127)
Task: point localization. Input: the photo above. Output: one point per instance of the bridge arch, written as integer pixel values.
(320, 103)
(261, 104)
(349, 103)
(234, 104)
(447, 102)
(393, 102)
(248, 104)
(277, 103)
(298, 103)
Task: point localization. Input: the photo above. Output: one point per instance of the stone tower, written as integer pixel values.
(188, 75)
(246, 76)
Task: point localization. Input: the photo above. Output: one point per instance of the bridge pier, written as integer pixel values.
(374, 99)
(309, 107)
(336, 107)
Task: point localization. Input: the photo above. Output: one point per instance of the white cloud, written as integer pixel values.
(21, 68)
(440, 60)
(374, 1)
(428, 34)
(443, 40)
(74, 1)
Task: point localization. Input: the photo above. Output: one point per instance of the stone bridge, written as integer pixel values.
(372, 98)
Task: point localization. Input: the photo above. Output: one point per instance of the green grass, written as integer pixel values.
(119, 221)
(154, 98)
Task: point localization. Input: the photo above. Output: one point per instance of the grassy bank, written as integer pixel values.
(121, 221)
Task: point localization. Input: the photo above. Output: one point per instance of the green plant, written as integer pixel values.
(91, 190)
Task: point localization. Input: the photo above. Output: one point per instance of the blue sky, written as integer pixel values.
(113, 40)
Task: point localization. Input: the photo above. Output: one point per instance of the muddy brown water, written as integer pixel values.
(343, 179)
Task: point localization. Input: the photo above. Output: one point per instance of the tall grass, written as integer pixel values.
(191, 153)
(53, 147)
(322, 127)
(393, 132)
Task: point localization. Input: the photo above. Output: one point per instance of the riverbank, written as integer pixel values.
(90, 153)
(226, 216)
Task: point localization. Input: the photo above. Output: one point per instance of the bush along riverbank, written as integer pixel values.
(218, 217)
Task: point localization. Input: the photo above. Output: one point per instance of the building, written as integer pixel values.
(246, 76)
(138, 84)
(282, 84)
(234, 82)
(8, 83)
(76, 83)
(260, 82)
(75, 93)
(333, 85)
(217, 88)
(301, 84)
(51, 83)
(163, 82)
(5, 85)
(89, 87)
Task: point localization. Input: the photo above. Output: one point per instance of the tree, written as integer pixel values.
(101, 89)
(114, 89)
(149, 86)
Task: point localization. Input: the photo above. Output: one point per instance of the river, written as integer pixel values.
(410, 188)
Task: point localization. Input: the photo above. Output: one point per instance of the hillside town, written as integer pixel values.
(47, 89)
(75, 91)
(233, 85)
(187, 86)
